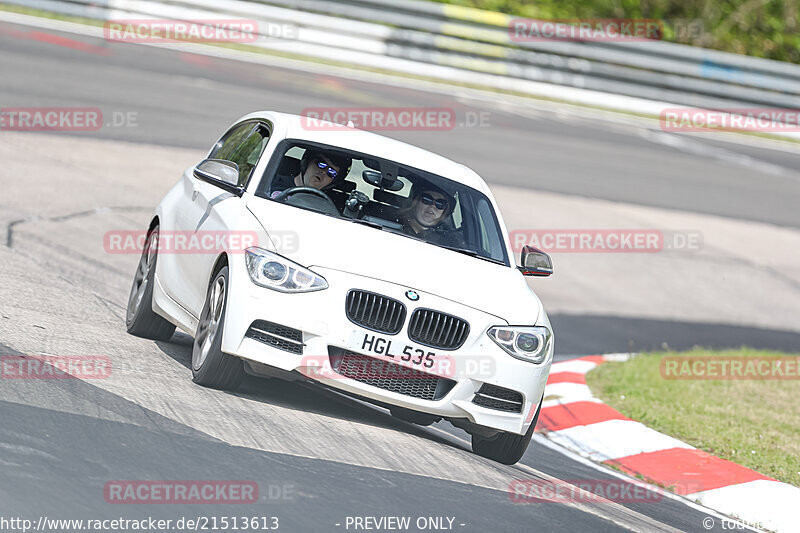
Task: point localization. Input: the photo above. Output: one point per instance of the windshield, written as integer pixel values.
(386, 195)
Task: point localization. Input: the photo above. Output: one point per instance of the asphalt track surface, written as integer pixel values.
(63, 439)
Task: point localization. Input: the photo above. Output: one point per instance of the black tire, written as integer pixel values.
(506, 448)
(140, 319)
(210, 366)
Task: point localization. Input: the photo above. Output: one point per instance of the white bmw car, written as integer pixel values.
(343, 257)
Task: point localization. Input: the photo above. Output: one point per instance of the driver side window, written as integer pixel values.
(243, 145)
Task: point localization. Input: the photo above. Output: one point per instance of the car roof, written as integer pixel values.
(298, 127)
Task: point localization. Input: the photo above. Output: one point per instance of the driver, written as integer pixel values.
(427, 217)
(318, 169)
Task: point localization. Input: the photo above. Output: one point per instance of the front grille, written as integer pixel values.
(438, 330)
(494, 397)
(277, 336)
(375, 312)
(389, 376)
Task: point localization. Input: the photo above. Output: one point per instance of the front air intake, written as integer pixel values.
(389, 376)
(280, 337)
(494, 397)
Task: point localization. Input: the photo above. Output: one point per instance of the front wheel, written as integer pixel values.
(506, 448)
(140, 319)
(212, 367)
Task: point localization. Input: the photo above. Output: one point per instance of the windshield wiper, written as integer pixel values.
(472, 253)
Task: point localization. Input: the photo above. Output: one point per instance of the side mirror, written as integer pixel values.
(218, 170)
(535, 262)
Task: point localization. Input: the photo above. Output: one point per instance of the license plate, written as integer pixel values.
(392, 349)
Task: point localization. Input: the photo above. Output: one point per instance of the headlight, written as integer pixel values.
(529, 343)
(273, 271)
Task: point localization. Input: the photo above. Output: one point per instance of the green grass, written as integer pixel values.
(762, 28)
(755, 423)
(22, 10)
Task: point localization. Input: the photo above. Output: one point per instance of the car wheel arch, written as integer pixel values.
(222, 261)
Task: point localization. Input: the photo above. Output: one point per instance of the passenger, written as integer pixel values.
(318, 169)
(428, 216)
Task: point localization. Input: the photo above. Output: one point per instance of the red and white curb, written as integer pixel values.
(579, 422)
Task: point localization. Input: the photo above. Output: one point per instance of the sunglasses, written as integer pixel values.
(439, 203)
(329, 169)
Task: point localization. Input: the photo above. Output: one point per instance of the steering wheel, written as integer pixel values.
(328, 206)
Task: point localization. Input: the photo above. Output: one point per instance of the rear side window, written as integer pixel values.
(243, 144)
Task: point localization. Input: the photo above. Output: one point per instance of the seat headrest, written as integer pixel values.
(289, 166)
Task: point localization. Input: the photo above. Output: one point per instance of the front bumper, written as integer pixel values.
(326, 329)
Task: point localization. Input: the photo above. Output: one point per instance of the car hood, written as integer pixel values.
(312, 239)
